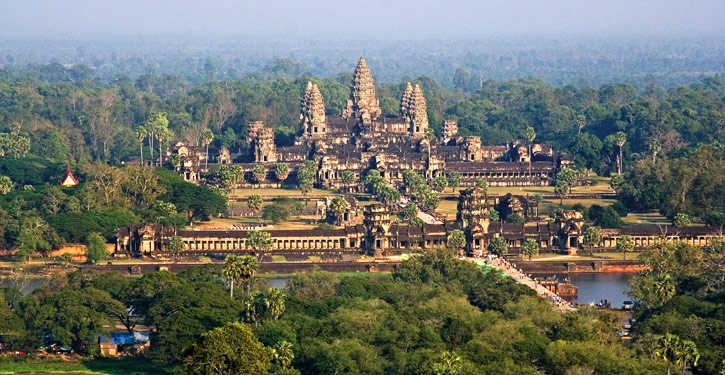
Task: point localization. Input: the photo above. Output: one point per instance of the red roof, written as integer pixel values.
(67, 176)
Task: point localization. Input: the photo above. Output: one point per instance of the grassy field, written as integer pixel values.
(279, 192)
(105, 366)
(646, 217)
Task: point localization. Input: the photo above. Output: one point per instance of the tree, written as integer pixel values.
(232, 271)
(53, 200)
(536, 199)
(667, 349)
(231, 349)
(620, 138)
(581, 122)
(416, 222)
(259, 173)
(348, 177)
(105, 179)
(6, 185)
(276, 302)
(592, 236)
(96, 249)
(498, 246)
(454, 180)
(175, 161)
(276, 213)
(686, 353)
(561, 190)
(250, 265)
(664, 287)
(530, 136)
(338, 206)
(616, 182)
(141, 133)
(281, 171)
(515, 218)
(410, 210)
(654, 146)
(530, 248)
(482, 184)
(259, 240)
(255, 202)
(457, 239)
(206, 138)
(625, 243)
(440, 183)
(682, 220)
(176, 245)
(568, 176)
(494, 215)
(448, 364)
(282, 354)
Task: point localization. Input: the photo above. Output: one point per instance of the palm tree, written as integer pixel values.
(536, 199)
(338, 206)
(283, 354)
(667, 349)
(163, 134)
(206, 137)
(686, 352)
(141, 134)
(654, 147)
(664, 288)
(249, 267)
(448, 364)
(620, 138)
(276, 299)
(530, 136)
(233, 270)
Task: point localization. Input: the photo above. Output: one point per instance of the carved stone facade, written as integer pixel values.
(380, 236)
(312, 113)
(363, 103)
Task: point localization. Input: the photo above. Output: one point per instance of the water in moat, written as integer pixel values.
(596, 287)
(593, 287)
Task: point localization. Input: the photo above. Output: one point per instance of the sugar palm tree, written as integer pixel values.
(283, 354)
(233, 270)
(686, 353)
(620, 138)
(249, 267)
(667, 349)
(530, 136)
(654, 147)
(206, 137)
(338, 206)
(276, 299)
(141, 134)
(664, 288)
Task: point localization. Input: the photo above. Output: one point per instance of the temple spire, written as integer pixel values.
(312, 111)
(363, 103)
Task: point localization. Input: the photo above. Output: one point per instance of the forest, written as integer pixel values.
(52, 118)
(434, 315)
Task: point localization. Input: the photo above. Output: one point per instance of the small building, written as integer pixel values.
(69, 180)
(124, 342)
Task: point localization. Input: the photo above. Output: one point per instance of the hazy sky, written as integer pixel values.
(363, 19)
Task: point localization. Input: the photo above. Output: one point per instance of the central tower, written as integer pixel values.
(363, 104)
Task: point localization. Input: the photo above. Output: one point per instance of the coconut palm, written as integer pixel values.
(233, 270)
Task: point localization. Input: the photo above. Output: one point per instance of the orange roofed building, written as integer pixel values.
(69, 180)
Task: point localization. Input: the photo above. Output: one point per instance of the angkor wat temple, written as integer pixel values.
(363, 138)
(381, 235)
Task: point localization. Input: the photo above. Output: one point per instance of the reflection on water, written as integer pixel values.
(27, 287)
(595, 287)
(277, 282)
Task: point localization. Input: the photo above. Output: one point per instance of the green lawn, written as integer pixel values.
(269, 192)
(105, 366)
(646, 217)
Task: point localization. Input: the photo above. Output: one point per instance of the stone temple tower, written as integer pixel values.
(473, 216)
(363, 104)
(312, 112)
(376, 219)
(264, 149)
(414, 110)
